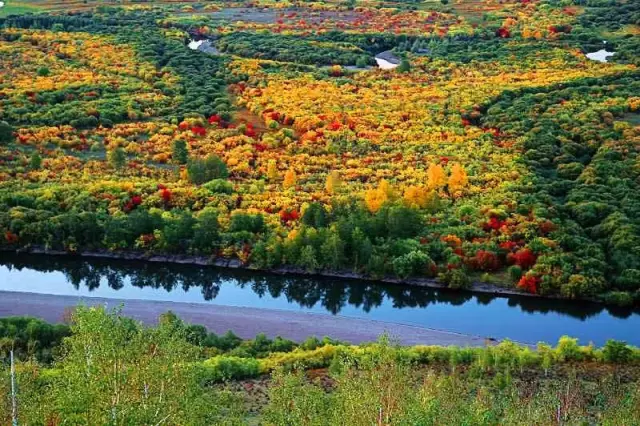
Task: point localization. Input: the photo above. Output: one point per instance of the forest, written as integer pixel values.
(179, 373)
(497, 152)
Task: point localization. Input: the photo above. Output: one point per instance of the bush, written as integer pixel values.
(515, 273)
(629, 279)
(201, 171)
(240, 222)
(568, 349)
(179, 152)
(618, 298)
(6, 132)
(413, 263)
(219, 186)
(222, 368)
(456, 279)
(300, 359)
(617, 352)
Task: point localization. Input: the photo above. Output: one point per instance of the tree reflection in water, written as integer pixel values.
(306, 291)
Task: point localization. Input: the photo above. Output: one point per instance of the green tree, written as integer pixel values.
(332, 251)
(117, 158)
(35, 162)
(115, 371)
(6, 132)
(361, 62)
(206, 230)
(315, 215)
(240, 222)
(405, 66)
(308, 259)
(179, 152)
(204, 170)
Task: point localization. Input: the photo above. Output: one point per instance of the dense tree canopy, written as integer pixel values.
(495, 152)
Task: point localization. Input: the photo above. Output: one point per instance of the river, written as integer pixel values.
(519, 318)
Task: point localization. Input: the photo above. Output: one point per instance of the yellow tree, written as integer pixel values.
(333, 182)
(375, 198)
(272, 171)
(289, 178)
(415, 196)
(436, 177)
(458, 179)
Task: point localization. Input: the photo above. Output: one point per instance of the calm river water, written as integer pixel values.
(519, 318)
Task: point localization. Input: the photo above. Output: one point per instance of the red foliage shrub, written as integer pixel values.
(503, 33)
(10, 237)
(274, 116)
(287, 215)
(334, 126)
(215, 119)
(250, 131)
(529, 283)
(166, 195)
(494, 224)
(524, 258)
(508, 245)
(485, 261)
(198, 131)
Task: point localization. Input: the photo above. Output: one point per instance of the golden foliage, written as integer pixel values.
(375, 198)
(458, 179)
(289, 178)
(436, 177)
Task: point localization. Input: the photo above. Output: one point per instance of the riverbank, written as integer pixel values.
(245, 322)
(476, 287)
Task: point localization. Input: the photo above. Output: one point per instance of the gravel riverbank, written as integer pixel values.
(245, 322)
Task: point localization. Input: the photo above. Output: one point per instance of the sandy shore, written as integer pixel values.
(245, 322)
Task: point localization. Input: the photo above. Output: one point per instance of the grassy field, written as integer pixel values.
(14, 7)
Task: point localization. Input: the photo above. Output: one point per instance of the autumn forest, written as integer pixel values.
(493, 151)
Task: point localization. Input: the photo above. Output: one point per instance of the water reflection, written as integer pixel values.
(333, 295)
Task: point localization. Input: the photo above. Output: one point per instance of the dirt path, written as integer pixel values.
(245, 322)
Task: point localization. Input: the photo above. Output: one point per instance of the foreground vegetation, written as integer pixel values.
(109, 369)
(497, 152)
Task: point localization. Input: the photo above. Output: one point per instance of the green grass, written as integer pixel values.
(14, 8)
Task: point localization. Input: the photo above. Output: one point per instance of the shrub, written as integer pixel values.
(317, 358)
(222, 368)
(456, 279)
(219, 186)
(180, 154)
(204, 170)
(515, 273)
(568, 349)
(629, 279)
(485, 261)
(240, 222)
(618, 298)
(617, 352)
(413, 263)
